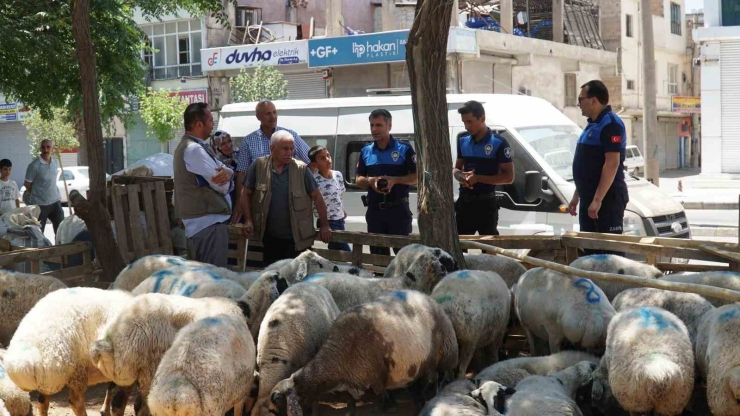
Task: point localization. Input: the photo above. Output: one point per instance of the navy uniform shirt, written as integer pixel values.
(603, 135)
(484, 157)
(397, 159)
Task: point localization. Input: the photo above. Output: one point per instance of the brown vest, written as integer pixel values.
(301, 214)
(191, 200)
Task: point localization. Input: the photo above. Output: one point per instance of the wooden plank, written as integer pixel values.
(347, 257)
(134, 215)
(35, 266)
(664, 241)
(151, 219)
(356, 256)
(638, 248)
(518, 242)
(652, 260)
(5, 245)
(43, 253)
(677, 267)
(72, 272)
(571, 254)
(732, 257)
(121, 233)
(241, 245)
(378, 240)
(163, 218)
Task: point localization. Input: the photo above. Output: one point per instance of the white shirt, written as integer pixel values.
(8, 195)
(199, 162)
(331, 190)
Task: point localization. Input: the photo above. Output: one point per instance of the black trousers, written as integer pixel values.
(275, 249)
(610, 221)
(391, 221)
(54, 212)
(476, 217)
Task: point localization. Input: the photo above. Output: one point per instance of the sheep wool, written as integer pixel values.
(306, 264)
(551, 395)
(509, 269)
(511, 372)
(291, 334)
(349, 290)
(494, 395)
(20, 292)
(3, 409)
(193, 282)
(609, 263)
(455, 400)
(17, 401)
(478, 305)
(138, 271)
(424, 266)
(725, 280)
(260, 296)
(718, 358)
(207, 371)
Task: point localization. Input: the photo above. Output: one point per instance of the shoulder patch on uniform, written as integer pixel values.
(395, 155)
(616, 139)
(489, 149)
(507, 152)
(413, 158)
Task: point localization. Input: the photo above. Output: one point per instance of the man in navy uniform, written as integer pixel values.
(484, 160)
(386, 169)
(601, 193)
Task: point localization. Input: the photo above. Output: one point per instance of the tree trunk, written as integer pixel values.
(426, 56)
(79, 124)
(93, 211)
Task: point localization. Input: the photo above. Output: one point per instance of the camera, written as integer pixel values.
(364, 200)
(382, 183)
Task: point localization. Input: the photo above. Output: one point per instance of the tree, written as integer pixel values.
(426, 56)
(265, 83)
(162, 112)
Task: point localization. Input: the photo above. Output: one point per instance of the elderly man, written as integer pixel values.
(276, 202)
(202, 186)
(41, 184)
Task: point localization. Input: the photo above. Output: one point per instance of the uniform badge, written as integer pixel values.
(413, 158)
(507, 152)
(616, 139)
(489, 149)
(395, 156)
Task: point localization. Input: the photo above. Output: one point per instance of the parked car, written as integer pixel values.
(633, 160)
(77, 178)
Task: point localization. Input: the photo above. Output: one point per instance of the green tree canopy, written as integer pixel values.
(264, 83)
(162, 112)
(57, 128)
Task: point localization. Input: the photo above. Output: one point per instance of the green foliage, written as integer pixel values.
(58, 128)
(264, 83)
(162, 112)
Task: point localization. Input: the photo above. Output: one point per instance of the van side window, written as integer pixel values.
(327, 141)
(352, 157)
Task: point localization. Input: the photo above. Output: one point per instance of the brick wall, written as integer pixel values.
(614, 84)
(610, 19)
(656, 7)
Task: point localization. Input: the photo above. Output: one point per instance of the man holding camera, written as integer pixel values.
(386, 169)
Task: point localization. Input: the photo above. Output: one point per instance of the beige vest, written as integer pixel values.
(191, 200)
(299, 202)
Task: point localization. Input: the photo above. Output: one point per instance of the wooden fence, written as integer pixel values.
(60, 258)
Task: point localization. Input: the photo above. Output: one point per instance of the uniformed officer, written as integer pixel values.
(597, 165)
(386, 169)
(484, 160)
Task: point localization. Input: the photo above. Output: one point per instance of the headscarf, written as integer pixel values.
(216, 139)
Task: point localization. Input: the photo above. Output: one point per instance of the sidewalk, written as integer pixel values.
(697, 192)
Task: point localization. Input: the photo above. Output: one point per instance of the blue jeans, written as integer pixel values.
(338, 225)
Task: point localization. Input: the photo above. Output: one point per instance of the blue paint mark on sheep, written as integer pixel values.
(444, 299)
(211, 321)
(214, 276)
(463, 274)
(651, 317)
(728, 315)
(591, 295)
(187, 291)
(2, 372)
(314, 277)
(159, 277)
(599, 257)
(400, 295)
(174, 261)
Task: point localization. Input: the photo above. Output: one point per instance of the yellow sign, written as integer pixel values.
(686, 104)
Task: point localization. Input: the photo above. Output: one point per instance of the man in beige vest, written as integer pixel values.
(276, 202)
(202, 186)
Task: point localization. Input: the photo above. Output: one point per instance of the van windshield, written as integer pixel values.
(555, 144)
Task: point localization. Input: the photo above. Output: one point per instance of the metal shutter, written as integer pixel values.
(14, 145)
(69, 159)
(730, 78)
(306, 86)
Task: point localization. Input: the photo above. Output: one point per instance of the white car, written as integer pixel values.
(77, 178)
(633, 160)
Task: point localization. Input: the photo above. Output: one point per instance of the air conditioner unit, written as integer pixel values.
(247, 16)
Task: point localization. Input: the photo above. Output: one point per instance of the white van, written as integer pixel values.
(543, 141)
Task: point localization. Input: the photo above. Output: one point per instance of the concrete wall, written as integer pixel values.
(404, 14)
(358, 14)
(353, 81)
(477, 77)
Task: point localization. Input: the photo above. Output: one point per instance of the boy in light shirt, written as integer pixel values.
(331, 185)
(10, 197)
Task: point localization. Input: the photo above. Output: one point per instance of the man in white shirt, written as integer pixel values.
(10, 198)
(202, 186)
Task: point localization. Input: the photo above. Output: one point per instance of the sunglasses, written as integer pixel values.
(582, 98)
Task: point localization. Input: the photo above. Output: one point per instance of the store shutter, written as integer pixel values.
(306, 86)
(14, 145)
(730, 78)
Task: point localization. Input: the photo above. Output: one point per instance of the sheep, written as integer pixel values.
(509, 269)
(455, 400)
(19, 293)
(306, 264)
(511, 372)
(425, 266)
(50, 350)
(260, 296)
(494, 395)
(688, 307)
(130, 346)
(194, 282)
(551, 395)
(291, 334)
(718, 359)
(478, 305)
(357, 271)
(349, 290)
(726, 280)
(138, 271)
(3, 410)
(402, 337)
(17, 401)
(648, 365)
(609, 263)
(207, 370)
(555, 307)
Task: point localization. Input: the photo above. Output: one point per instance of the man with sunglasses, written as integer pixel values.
(601, 192)
(41, 185)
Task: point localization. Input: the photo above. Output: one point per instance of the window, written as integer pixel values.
(247, 16)
(676, 19)
(730, 13)
(628, 28)
(84, 173)
(352, 156)
(175, 49)
(68, 175)
(630, 85)
(571, 95)
(672, 79)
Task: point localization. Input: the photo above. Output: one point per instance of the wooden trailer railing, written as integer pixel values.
(57, 257)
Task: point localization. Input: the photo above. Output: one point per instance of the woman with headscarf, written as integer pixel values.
(223, 148)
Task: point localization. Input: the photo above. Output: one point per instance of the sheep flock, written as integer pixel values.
(182, 338)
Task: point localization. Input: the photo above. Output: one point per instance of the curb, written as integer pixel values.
(697, 231)
(710, 205)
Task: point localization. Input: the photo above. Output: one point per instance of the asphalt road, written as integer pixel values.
(711, 217)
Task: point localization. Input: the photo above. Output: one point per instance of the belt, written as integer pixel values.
(392, 204)
(478, 197)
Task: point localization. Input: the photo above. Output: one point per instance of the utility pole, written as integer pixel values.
(649, 110)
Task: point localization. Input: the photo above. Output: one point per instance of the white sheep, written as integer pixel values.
(688, 307)
(3, 409)
(50, 349)
(400, 338)
(259, 297)
(551, 395)
(130, 346)
(511, 372)
(138, 271)
(306, 264)
(725, 280)
(194, 282)
(349, 290)
(609, 263)
(17, 401)
(556, 307)
(509, 269)
(455, 400)
(424, 266)
(478, 305)
(718, 358)
(19, 292)
(648, 365)
(207, 370)
(291, 334)
(357, 271)
(494, 395)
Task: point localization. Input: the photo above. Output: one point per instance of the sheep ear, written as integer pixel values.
(411, 276)
(597, 392)
(244, 306)
(282, 285)
(302, 271)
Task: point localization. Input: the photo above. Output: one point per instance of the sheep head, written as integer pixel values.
(306, 264)
(493, 395)
(284, 399)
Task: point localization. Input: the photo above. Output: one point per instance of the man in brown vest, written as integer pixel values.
(276, 202)
(202, 186)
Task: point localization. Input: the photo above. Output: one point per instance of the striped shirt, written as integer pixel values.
(257, 145)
